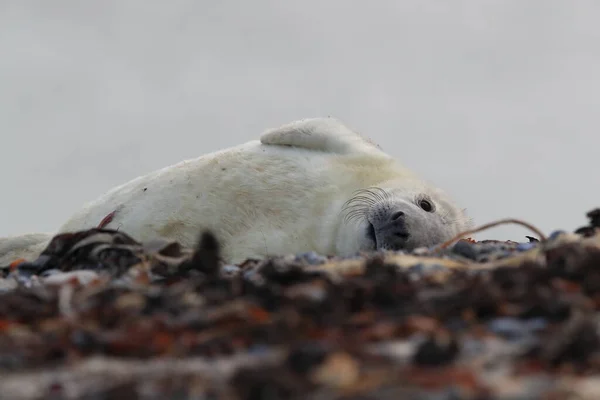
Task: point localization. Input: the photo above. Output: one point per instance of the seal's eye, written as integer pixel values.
(426, 205)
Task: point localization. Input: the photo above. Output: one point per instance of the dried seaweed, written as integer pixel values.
(99, 315)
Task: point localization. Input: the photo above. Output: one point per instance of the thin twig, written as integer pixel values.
(541, 236)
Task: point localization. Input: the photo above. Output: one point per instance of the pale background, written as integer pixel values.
(496, 101)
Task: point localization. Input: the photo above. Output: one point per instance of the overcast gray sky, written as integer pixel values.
(495, 101)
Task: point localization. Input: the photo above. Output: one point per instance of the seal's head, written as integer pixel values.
(403, 215)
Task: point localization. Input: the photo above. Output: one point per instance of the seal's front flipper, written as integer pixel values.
(319, 134)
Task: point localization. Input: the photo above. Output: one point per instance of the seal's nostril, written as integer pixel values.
(397, 215)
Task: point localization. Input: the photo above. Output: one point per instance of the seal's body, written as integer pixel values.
(312, 185)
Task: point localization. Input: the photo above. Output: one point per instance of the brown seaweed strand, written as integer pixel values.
(493, 224)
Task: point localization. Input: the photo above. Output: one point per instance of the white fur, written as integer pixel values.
(27, 246)
(278, 195)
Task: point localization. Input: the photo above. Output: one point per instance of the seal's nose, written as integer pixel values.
(397, 215)
(396, 227)
(390, 230)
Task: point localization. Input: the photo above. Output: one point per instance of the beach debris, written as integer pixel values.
(99, 315)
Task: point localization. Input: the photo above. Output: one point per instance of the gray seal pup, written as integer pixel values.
(310, 185)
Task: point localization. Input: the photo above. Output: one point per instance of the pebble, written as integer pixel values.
(50, 272)
(259, 349)
(421, 251)
(422, 268)
(555, 234)
(230, 270)
(311, 258)
(526, 246)
(515, 329)
(7, 284)
(465, 249)
(83, 276)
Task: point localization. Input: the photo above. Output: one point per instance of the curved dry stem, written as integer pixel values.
(532, 228)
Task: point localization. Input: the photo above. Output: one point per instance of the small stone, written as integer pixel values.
(305, 358)
(420, 251)
(50, 272)
(513, 328)
(465, 249)
(438, 349)
(338, 370)
(311, 258)
(525, 246)
(554, 235)
(83, 277)
(7, 285)
(230, 269)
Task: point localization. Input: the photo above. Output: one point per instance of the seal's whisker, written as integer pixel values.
(357, 205)
(363, 195)
(362, 200)
(361, 210)
(444, 217)
(452, 221)
(383, 194)
(376, 194)
(365, 199)
(356, 213)
(360, 195)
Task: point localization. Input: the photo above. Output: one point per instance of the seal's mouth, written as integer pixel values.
(371, 234)
(390, 239)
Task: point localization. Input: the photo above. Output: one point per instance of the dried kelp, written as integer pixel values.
(102, 316)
